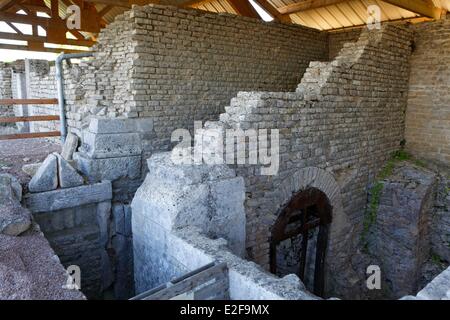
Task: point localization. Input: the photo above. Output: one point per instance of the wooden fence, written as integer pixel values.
(9, 102)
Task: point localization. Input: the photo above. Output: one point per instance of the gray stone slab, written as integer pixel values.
(46, 178)
(14, 219)
(108, 169)
(10, 188)
(120, 125)
(70, 146)
(31, 169)
(68, 198)
(438, 289)
(111, 145)
(67, 175)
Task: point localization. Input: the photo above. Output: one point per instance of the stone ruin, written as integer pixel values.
(115, 203)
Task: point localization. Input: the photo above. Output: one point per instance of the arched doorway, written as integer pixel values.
(300, 237)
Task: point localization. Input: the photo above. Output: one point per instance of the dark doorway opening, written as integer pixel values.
(300, 237)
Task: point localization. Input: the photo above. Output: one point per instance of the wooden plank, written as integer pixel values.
(37, 38)
(424, 8)
(30, 135)
(244, 8)
(27, 101)
(28, 119)
(214, 291)
(7, 4)
(189, 283)
(273, 11)
(42, 49)
(21, 18)
(307, 5)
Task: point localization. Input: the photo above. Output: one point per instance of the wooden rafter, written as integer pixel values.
(8, 4)
(425, 8)
(42, 49)
(273, 11)
(422, 7)
(307, 5)
(244, 8)
(105, 10)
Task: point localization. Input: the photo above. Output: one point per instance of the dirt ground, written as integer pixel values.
(16, 153)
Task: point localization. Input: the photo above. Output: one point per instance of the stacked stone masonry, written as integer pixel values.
(344, 121)
(177, 66)
(41, 84)
(336, 40)
(428, 115)
(5, 90)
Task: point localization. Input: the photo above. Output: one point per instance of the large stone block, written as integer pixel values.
(70, 146)
(111, 145)
(46, 178)
(14, 219)
(108, 169)
(68, 198)
(120, 125)
(208, 197)
(10, 188)
(68, 177)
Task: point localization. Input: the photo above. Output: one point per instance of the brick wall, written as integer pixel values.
(178, 66)
(41, 84)
(337, 39)
(345, 119)
(428, 113)
(5, 90)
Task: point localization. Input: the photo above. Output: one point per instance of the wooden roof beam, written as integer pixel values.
(273, 11)
(35, 38)
(9, 4)
(244, 8)
(307, 5)
(42, 49)
(422, 7)
(123, 3)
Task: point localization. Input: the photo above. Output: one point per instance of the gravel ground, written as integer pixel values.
(16, 153)
(30, 270)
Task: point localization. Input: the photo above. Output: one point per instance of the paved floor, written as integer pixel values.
(16, 153)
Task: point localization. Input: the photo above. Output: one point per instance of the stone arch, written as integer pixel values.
(340, 234)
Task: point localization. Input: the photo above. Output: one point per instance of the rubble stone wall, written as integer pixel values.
(180, 65)
(428, 113)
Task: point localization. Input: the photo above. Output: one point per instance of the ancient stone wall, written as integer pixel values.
(400, 234)
(41, 84)
(187, 216)
(336, 132)
(428, 113)
(5, 90)
(336, 40)
(178, 65)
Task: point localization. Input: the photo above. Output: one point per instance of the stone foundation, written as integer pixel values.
(75, 221)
